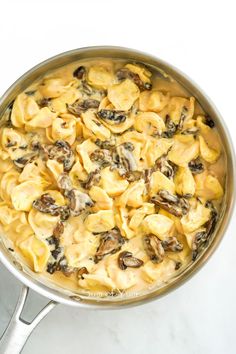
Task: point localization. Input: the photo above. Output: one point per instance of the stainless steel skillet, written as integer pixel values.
(18, 330)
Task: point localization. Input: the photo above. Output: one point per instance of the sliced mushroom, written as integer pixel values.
(112, 117)
(58, 230)
(46, 204)
(146, 175)
(52, 267)
(170, 128)
(102, 156)
(44, 102)
(107, 144)
(64, 212)
(78, 201)
(196, 166)
(132, 176)
(177, 265)
(64, 268)
(201, 239)
(172, 244)
(57, 255)
(64, 183)
(124, 159)
(61, 152)
(53, 241)
(154, 248)
(79, 72)
(183, 116)
(166, 167)
(110, 243)
(190, 131)
(92, 179)
(125, 73)
(81, 272)
(211, 224)
(126, 259)
(87, 89)
(25, 159)
(81, 106)
(172, 203)
(210, 122)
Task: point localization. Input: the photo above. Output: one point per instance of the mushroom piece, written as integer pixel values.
(146, 175)
(182, 117)
(201, 238)
(59, 264)
(154, 248)
(110, 243)
(211, 224)
(92, 179)
(107, 144)
(53, 241)
(124, 159)
(112, 117)
(125, 73)
(88, 90)
(172, 244)
(64, 183)
(196, 166)
(133, 176)
(64, 212)
(58, 230)
(166, 167)
(190, 131)
(81, 106)
(102, 156)
(78, 201)
(170, 128)
(46, 204)
(25, 159)
(210, 122)
(79, 72)
(81, 272)
(172, 203)
(44, 102)
(126, 259)
(52, 267)
(60, 152)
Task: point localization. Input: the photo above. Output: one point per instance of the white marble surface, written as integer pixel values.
(198, 318)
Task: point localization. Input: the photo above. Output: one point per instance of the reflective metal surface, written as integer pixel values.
(18, 330)
(58, 294)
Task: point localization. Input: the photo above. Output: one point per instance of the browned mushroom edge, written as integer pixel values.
(126, 259)
(61, 152)
(173, 204)
(112, 117)
(81, 272)
(110, 242)
(201, 239)
(154, 248)
(125, 73)
(79, 106)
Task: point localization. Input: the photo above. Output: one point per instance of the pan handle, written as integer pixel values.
(19, 330)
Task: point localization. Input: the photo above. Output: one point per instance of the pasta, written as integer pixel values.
(110, 175)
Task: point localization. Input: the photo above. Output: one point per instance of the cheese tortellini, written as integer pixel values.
(111, 177)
